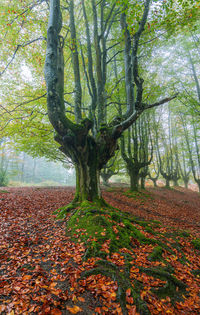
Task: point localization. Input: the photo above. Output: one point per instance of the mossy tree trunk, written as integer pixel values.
(176, 183)
(186, 181)
(134, 177)
(143, 174)
(87, 182)
(88, 155)
(143, 182)
(154, 182)
(167, 182)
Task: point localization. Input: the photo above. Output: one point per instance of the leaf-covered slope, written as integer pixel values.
(110, 260)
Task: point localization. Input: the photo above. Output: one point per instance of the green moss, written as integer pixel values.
(27, 266)
(173, 287)
(97, 226)
(171, 234)
(184, 234)
(138, 195)
(85, 204)
(101, 220)
(196, 243)
(196, 272)
(123, 280)
(63, 211)
(141, 223)
(156, 254)
(150, 230)
(116, 217)
(90, 222)
(123, 241)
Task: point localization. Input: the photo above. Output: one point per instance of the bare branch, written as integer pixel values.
(24, 103)
(16, 50)
(163, 101)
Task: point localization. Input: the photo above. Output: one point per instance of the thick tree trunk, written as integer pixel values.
(176, 182)
(186, 181)
(198, 183)
(89, 155)
(143, 182)
(167, 184)
(134, 180)
(87, 182)
(154, 182)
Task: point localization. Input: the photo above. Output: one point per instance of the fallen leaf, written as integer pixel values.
(74, 309)
(26, 277)
(56, 311)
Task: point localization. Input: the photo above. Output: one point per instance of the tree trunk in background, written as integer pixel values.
(176, 183)
(134, 178)
(186, 181)
(167, 183)
(143, 182)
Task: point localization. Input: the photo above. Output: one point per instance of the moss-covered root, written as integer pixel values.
(156, 254)
(62, 212)
(173, 288)
(196, 243)
(109, 269)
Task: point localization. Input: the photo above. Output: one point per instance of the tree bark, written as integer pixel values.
(133, 172)
(186, 181)
(87, 181)
(167, 183)
(143, 182)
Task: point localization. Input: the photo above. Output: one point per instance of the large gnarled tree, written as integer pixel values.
(90, 142)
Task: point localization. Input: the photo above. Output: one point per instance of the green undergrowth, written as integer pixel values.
(105, 231)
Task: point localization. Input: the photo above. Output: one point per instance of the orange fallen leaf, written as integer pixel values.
(98, 310)
(2, 308)
(26, 277)
(128, 292)
(75, 309)
(81, 299)
(113, 295)
(56, 311)
(132, 310)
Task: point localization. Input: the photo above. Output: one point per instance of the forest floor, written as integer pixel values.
(45, 271)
